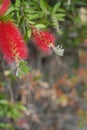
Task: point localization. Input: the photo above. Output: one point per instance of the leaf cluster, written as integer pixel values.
(37, 13)
(9, 110)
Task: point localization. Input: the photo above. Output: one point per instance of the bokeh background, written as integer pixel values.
(53, 95)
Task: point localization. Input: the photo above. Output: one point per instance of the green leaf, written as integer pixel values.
(60, 10)
(42, 5)
(55, 8)
(10, 10)
(17, 3)
(34, 16)
(31, 22)
(59, 15)
(29, 33)
(40, 26)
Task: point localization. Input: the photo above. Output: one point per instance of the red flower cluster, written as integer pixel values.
(12, 44)
(4, 6)
(43, 39)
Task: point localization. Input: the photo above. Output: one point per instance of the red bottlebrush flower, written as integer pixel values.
(12, 44)
(4, 6)
(43, 39)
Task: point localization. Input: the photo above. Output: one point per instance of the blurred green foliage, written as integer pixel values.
(9, 110)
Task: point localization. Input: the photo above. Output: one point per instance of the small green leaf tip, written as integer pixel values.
(22, 69)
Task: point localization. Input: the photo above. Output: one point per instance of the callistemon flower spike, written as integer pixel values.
(12, 44)
(4, 6)
(45, 41)
(42, 39)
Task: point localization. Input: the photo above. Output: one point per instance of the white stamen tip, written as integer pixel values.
(58, 50)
